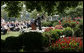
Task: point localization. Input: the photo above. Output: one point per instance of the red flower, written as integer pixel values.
(59, 22)
(77, 22)
(80, 44)
(63, 47)
(59, 40)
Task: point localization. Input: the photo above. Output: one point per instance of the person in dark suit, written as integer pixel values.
(38, 20)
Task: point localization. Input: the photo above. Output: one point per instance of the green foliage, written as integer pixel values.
(55, 23)
(81, 21)
(2, 3)
(31, 5)
(65, 4)
(53, 35)
(68, 31)
(78, 32)
(73, 24)
(46, 41)
(4, 13)
(32, 41)
(59, 32)
(13, 8)
(2, 45)
(34, 13)
(46, 24)
(75, 12)
(48, 6)
(51, 7)
(80, 26)
(66, 24)
(28, 41)
(12, 44)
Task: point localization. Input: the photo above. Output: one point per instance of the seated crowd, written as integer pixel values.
(13, 26)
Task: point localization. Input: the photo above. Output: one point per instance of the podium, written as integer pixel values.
(33, 26)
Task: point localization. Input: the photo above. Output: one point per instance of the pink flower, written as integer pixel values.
(58, 27)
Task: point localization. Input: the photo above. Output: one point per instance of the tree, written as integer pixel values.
(51, 7)
(75, 12)
(4, 14)
(13, 8)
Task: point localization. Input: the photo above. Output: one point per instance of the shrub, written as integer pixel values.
(46, 24)
(78, 32)
(46, 41)
(78, 20)
(55, 23)
(80, 26)
(2, 45)
(68, 31)
(81, 21)
(73, 24)
(53, 35)
(32, 41)
(67, 45)
(66, 25)
(59, 32)
(12, 44)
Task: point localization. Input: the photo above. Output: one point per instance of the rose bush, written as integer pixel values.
(53, 34)
(58, 27)
(68, 31)
(67, 45)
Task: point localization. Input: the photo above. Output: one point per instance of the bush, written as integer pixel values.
(73, 24)
(47, 24)
(2, 45)
(78, 20)
(46, 41)
(81, 21)
(53, 35)
(59, 32)
(55, 23)
(13, 44)
(66, 25)
(47, 37)
(68, 31)
(80, 26)
(78, 32)
(32, 41)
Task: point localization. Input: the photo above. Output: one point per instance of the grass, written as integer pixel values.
(3, 37)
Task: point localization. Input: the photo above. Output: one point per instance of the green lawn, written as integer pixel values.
(10, 34)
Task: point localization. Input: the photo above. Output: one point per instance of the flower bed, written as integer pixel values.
(67, 45)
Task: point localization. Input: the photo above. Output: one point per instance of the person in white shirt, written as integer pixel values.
(4, 28)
